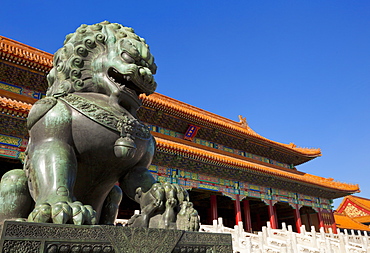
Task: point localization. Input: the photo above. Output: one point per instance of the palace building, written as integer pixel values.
(353, 214)
(230, 171)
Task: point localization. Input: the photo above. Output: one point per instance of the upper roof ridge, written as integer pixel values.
(363, 202)
(26, 52)
(184, 109)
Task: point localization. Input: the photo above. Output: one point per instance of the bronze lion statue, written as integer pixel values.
(85, 137)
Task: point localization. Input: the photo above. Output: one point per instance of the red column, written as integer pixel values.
(321, 220)
(276, 218)
(333, 224)
(297, 217)
(326, 218)
(238, 212)
(214, 214)
(272, 215)
(247, 216)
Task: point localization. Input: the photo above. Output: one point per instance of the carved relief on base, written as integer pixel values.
(55, 238)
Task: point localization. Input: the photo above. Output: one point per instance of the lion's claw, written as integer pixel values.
(79, 213)
(90, 215)
(63, 213)
(41, 213)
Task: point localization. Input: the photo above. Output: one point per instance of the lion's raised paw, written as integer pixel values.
(64, 213)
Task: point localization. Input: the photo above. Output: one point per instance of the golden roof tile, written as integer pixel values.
(362, 219)
(15, 105)
(362, 202)
(25, 53)
(346, 222)
(359, 201)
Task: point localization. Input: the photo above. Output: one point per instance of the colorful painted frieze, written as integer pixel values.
(20, 90)
(19, 77)
(191, 180)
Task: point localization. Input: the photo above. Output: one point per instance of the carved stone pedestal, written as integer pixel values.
(28, 237)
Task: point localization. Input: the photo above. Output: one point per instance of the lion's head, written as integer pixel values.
(104, 58)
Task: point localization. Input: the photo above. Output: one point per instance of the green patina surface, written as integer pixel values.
(80, 145)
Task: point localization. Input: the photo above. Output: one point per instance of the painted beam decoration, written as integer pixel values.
(231, 188)
(21, 84)
(12, 147)
(21, 91)
(13, 136)
(21, 81)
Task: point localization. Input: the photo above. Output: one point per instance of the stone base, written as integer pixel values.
(28, 237)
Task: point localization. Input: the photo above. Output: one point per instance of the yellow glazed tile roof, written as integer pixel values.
(362, 219)
(359, 201)
(15, 105)
(172, 106)
(25, 53)
(176, 146)
(363, 202)
(345, 222)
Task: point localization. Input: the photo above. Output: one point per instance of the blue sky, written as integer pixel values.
(297, 70)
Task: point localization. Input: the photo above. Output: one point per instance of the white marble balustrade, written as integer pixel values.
(286, 241)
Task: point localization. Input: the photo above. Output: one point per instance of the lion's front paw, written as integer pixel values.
(63, 213)
(83, 214)
(187, 218)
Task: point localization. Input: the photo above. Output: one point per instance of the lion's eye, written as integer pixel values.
(128, 58)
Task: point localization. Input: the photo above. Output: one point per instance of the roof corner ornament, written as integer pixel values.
(292, 145)
(243, 121)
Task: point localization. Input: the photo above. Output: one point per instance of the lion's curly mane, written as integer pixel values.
(75, 64)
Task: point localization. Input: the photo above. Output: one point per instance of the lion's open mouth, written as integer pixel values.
(124, 82)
